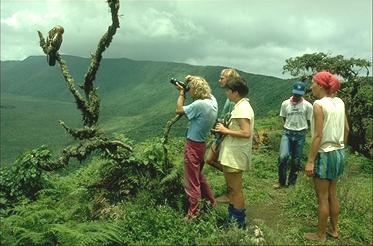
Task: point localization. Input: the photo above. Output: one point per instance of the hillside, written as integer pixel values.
(139, 199)
(136, 97)
(133, 206)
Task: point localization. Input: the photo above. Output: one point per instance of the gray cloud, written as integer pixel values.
(251, 35)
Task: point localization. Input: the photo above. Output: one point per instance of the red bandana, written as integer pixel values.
(294, 102)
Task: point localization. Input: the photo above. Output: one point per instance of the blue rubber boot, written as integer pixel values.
(236, 215)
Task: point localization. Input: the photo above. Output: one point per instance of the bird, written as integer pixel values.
(54, 41)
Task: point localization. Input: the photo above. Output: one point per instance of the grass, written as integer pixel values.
(64, 211)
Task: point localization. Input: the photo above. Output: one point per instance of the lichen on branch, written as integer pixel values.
(90, 137)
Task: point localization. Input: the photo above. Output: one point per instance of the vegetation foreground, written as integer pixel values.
(120, 197)
(99, 203)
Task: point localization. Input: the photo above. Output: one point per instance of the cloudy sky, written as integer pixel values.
(255, 36)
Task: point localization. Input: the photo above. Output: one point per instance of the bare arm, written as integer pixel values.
(244, 132)
(316, 141)
(180, 100)
(346, 131)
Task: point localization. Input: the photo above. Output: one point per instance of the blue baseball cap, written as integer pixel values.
(299, 88)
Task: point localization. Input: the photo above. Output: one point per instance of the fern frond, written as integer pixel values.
(89, 233)
(173, 176)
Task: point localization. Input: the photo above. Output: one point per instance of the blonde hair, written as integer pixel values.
(201, 88)
(229, 72)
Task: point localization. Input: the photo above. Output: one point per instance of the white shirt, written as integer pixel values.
(296, 114)
(333, 109)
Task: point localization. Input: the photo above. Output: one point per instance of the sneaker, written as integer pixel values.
(278, 186)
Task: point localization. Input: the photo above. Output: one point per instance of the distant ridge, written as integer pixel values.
(137, 98)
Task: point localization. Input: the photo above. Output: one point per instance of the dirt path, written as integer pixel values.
(270, 214)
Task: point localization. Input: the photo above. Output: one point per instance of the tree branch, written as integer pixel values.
(81, 103)
(82, 151)
(91, 138)
(169, 124)
(104, 43)
(81, 134)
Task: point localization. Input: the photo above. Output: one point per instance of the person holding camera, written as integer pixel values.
(213, 154)
(326, 159)
(236, 147)
(201, 113)
(296, 113)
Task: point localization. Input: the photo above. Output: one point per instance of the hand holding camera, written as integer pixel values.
(176, 82)
(220, 127)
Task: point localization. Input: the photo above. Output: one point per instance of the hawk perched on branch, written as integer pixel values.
(54, 41)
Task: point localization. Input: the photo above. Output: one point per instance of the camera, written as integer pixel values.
(183, 84)
(218, 135)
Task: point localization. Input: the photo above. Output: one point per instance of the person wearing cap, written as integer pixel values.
(326, 160)
(297, 114)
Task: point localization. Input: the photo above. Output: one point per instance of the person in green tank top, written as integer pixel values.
(213, 153)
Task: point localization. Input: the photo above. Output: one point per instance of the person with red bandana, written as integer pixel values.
(326, 159)
(297, 114)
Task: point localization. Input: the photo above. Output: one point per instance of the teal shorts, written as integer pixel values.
(330, 165)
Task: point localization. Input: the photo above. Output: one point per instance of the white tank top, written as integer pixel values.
(333, 109)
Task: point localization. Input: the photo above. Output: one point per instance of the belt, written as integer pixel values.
(195, 141)
(296, 131)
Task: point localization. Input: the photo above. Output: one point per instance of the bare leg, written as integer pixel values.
(322, 191)
(212, 157)
(212, 160)
(333, 208)
(234, 183)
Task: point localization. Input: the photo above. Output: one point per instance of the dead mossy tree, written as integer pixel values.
(90, 136)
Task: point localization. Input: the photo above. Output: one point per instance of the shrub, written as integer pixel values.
(145, 169)
(23, 180)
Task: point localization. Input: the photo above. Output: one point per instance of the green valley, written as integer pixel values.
(136, 99)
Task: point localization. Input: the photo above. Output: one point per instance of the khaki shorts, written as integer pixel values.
(227, 169)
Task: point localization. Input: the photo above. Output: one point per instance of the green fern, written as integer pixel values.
(173, 176)
(90, 233)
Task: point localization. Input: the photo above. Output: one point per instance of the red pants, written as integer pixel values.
(195, 183)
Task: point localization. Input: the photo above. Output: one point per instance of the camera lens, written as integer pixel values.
(184, 85)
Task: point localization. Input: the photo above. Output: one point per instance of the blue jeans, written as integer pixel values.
(292, 143)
